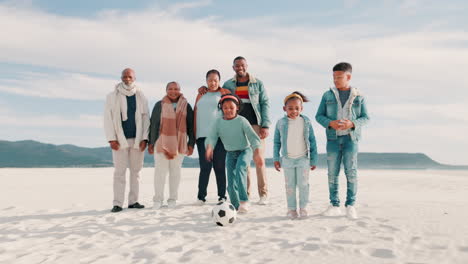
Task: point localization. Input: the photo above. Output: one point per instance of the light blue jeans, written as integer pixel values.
(296, 176)
(346, 150)
(237, 163)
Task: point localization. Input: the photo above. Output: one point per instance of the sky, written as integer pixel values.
(59, 59)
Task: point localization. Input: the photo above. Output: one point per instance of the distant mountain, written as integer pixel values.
(33, 154)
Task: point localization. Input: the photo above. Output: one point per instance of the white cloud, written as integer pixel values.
(63, 121)
(406, 76)
(75, 86)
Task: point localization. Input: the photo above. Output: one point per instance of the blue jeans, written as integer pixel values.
(296, 176)
(219, 166)
(346, 150)
(237, 163)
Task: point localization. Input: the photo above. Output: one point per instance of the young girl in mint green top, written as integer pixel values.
(239, 140)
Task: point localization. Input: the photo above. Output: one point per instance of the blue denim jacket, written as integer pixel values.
(280, 140)
(258, 98)
(328, 110)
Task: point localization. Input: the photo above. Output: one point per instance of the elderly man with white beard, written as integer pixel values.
(126, 124)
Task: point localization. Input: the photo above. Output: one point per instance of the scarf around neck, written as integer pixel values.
(173, 127)
(124, 91)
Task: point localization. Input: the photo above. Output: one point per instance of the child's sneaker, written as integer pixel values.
(171, 203)
(243, 207)
(303, 213)
(351, 212)
(263, 200)
(157, 205)
(332, 211)
(292, 214)
(199, 203)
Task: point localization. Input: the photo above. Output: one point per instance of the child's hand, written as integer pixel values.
(313, 167)
(347, 124)
(336, 124)
(209, 153)
(277, 165)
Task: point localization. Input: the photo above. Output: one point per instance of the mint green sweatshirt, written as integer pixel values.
(236, 134)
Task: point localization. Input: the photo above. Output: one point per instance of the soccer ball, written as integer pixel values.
(223, 214)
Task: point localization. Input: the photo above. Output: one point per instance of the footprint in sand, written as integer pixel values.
(217, 249)
(175, 249)
(348, 242)
(362, 224)
(389, 227)
(382, 253)
(386, 238)
(339, 229)
(382, 220)
(167, 233)
(463, 249)
(311, 247)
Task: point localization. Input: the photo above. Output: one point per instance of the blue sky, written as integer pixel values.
(60, 58)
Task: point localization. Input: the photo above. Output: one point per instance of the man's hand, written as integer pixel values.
(189, 150)
(313, 167)
(114, 144)
(203, 90)
(258, 159)
(347, 124)
(151, 149)
(143, 145)
(264, 132)
(277, 165)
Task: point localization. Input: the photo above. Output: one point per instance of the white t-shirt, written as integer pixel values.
(296, 142)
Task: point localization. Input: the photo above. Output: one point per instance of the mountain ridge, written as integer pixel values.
(32, 154)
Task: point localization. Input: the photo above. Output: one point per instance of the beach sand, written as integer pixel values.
(63, 216)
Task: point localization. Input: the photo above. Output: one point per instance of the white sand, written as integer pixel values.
(62, 216)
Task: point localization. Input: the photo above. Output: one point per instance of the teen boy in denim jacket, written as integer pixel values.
(342, 112)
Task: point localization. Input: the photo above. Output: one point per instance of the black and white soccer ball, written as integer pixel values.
(224, 214)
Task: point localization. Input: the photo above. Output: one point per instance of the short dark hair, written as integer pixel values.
(238, 58)
(213, 71)
(304, 98)
(343, 66)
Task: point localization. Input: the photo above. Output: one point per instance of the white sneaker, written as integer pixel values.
(157, 205)
(221, 200)
(292, 214)
(303, 213)
(351, 212)
(199, 203)
(243, 207)
(171, 203)
(332, 211)
(263, 200)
